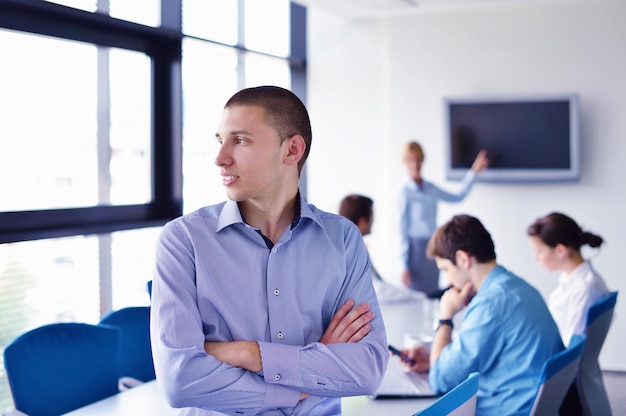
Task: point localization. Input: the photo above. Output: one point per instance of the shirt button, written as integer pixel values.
(274, 250)
(280, 335)
(276, 292)
(277, 377)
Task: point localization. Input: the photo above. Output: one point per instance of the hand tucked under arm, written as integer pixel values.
(243, 354)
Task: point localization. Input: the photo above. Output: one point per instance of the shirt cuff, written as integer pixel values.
(280, 368)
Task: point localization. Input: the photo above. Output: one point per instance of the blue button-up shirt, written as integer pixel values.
(217, 280)
(507, 335)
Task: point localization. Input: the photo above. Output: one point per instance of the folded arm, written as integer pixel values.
(349, 324)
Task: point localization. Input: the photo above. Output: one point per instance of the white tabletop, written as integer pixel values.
(409, 318)
(145, 399)
(366, 406)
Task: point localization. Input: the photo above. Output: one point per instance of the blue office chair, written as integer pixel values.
(591, 390)
(60, 367)
(136, 351)
(460, 401)
(557, 376)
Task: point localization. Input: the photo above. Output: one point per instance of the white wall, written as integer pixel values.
(375, 84)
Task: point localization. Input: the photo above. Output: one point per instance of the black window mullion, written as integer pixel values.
(33, 225)
(164, 47)
(55, 20)
(167, 128)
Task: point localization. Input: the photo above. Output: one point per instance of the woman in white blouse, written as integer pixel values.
(556, 240)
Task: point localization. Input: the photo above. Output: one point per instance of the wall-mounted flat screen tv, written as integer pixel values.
(527, 139)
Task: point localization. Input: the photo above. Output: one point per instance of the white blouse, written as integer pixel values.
(573, 297)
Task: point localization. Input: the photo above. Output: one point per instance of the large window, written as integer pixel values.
(108, 111)
(57, 149)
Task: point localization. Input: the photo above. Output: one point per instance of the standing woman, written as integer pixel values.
(418, 217)
(556, 240)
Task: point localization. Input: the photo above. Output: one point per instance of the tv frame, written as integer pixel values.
(571, 173)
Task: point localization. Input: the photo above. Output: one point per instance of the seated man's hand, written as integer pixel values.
(349, 324)
(453, 300)
(406, 278)
(419, 357)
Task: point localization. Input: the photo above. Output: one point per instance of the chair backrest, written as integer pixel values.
(460, 401)
(590, 384)
(556, 378)
(136, 351)
(60, 367)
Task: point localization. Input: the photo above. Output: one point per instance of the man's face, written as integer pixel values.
(250, 155)
(546, 256)
(456, 276)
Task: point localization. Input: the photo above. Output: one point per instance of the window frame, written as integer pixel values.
(163, 46)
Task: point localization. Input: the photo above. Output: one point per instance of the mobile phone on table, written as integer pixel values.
(402, 356)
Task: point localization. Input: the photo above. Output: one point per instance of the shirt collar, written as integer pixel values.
(232, 215)
(490, 278)
(415, 186)
(576, 275)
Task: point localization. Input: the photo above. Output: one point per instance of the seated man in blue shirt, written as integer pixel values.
(264, 304)
(507, 332)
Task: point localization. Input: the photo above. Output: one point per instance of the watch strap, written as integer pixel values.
(448, 322)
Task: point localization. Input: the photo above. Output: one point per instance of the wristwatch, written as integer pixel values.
(443, 322)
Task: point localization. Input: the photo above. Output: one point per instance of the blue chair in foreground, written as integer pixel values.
(136, 351)
(591, 390)
(557, 376)
(60, 367)
(460, 401)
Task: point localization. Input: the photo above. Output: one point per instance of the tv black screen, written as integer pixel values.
(526, 138)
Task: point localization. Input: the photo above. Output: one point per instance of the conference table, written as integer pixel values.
(144, 399)
(403, 320)
(147, 400)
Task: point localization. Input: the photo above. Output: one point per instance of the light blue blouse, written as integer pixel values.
(507, 334)
(418, 209)
(215, 279)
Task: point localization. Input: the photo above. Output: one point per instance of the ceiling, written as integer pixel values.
(382, 8)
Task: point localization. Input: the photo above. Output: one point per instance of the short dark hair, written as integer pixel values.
(462, 232)
(284, 111)
(354, 207)
(557, 228)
